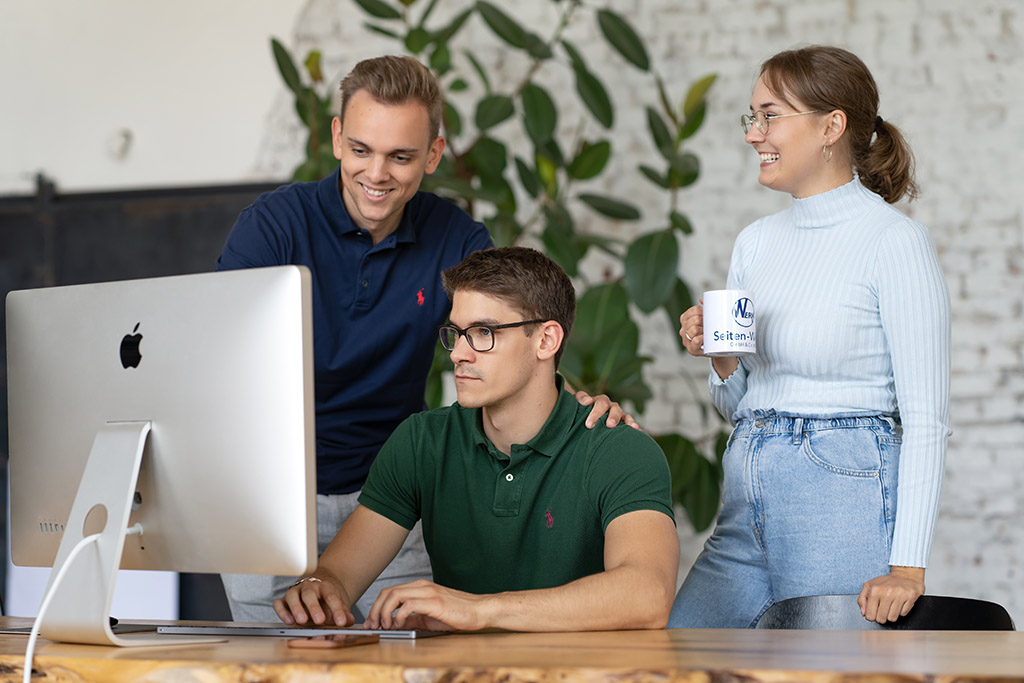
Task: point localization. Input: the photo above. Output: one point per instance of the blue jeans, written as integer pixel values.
(808, 507)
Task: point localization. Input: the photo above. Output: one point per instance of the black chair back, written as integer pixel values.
(930, 613)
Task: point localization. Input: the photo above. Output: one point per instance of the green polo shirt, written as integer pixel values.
(536, 520)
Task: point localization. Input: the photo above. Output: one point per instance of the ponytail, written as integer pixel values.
(886, 167)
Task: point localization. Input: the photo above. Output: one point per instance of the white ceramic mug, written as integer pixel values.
(729, 328)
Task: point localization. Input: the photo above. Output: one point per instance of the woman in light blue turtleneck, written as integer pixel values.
(833, 470)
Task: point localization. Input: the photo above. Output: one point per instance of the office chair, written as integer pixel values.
(930, 613)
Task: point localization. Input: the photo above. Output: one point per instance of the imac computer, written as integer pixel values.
(163, 424)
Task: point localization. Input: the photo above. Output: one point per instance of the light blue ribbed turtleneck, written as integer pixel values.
(852, 315)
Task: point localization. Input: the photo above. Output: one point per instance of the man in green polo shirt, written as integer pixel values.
(532, 521)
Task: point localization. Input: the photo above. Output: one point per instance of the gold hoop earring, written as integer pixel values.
(826, 152)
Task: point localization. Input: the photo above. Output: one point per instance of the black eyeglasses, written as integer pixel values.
(480, 337)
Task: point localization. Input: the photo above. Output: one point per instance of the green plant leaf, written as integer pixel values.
(659, 179)
(612, 208)
(559, 238)
(492, 110)
(636, 392)
(306, 171)
(604, 243)
(628, 371)
(695, 480)
(441, 59)
(417, 40)
(693, 122)
(504, 229)
(488, 158)
(575, 58)
(458, 85)
(503, 25)
(595, 97)
(552, 151)
(312, 65)
(571, 366)
(446, 34)
(547, 171)
(664, 141)
(449, 185)
(621, 36)
(617, 349)
(698, 91)
(591, 160)
(680, 222)
(426, 13)
(452, 120)
(683, 462)
(602, 307)
(685, 168)
(327, 161)
(701, 498)
(651, 264)
(307, 104)
(528, 178)
(381, 30)
(537, 48)
(665, 104)
(498, 191)
(286, 66)
(599, 310)
(479, 69)
(539, 115)
(675, 305)
(379, 9)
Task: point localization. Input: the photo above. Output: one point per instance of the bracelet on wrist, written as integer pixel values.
(304, 579)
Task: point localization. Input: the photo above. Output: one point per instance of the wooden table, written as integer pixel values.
(698, 656)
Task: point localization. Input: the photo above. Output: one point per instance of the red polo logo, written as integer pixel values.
(420, 300)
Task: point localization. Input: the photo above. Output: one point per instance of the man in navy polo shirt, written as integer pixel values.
(376, 247)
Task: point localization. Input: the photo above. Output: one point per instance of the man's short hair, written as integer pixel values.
(525, 279)
(395, 80)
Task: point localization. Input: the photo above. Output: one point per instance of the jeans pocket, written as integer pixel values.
(852, 452)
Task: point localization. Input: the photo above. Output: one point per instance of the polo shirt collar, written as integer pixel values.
(552, 436)
(329, 191)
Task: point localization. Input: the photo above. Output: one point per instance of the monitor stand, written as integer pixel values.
(79, 611)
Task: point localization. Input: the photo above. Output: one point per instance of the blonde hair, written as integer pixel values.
(824, 77)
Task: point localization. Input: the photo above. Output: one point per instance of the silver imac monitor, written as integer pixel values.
(163, 424)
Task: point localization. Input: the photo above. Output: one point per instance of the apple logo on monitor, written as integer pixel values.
(130, 354)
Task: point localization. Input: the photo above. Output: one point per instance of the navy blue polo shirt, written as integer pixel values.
(376, 308)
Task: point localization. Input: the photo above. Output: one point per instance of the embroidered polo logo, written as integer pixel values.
(548, 519)
(420, 300)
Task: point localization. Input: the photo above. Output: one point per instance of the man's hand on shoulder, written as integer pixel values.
(317, 598)
(425, 605)
(601, 405)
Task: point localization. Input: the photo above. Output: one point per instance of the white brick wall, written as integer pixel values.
(949, 73)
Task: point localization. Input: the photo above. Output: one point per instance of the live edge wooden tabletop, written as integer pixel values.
(700, 656)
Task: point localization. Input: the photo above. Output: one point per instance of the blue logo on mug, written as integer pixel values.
(743, 312)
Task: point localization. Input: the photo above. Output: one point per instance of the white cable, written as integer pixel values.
(48, 598)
